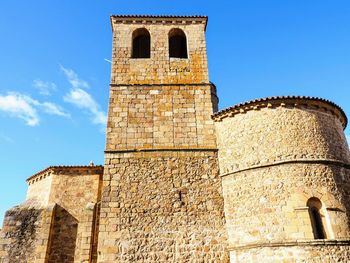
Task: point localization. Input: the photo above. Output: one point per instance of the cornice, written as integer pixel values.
(157, 19)
(64, 167)
(284, 101)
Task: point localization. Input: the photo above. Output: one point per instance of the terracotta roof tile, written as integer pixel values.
(237, 106)
(63, 167)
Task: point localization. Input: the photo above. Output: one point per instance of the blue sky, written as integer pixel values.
(54, 69)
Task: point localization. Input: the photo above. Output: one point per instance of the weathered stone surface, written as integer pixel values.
(276, 197)
(53, 225)
(19, 235)
(273, 159)
(182, 185)
(162, 198)
(159, 69)
(280, 133)
(161, 117)
(295, 254)
(163, 207)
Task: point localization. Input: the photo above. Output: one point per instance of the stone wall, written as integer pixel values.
(39, 189)
(275, 155)
(162, 207)
(269, 204)
(73, 190)
(297, 252)
(57, 221)
(161, 117)
(19, 235)
(64, 234)
(162, 198)
(279, 133)
(25, 234)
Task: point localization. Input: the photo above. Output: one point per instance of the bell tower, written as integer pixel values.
(161, 197)
(160, 95)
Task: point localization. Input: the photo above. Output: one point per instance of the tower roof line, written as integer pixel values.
(165, 19)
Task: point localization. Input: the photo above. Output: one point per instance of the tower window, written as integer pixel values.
(141, 43)
(314, 204)
(177, 44)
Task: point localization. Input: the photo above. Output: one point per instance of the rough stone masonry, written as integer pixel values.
(262, 181)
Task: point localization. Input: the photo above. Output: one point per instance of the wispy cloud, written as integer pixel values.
(44, 87)
(19, 106)
(108, 60)
(54, 109)
(6, 138)
(26, 108)
(74, 80)
(348, 139)
(82, 99)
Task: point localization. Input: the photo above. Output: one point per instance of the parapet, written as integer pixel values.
(143, 19)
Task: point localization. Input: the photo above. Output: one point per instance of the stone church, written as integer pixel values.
(263, 181)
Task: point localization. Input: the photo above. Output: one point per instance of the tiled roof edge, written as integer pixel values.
(266, 99)
(63, 167)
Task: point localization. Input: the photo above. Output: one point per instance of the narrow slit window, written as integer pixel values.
(314, 204)
(141, 43)
(177, 44)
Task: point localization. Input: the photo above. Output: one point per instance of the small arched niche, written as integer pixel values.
(315, 207)
(177, 44)
(141, 43)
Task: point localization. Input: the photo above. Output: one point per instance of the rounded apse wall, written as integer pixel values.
(279, 129)
(285, 169)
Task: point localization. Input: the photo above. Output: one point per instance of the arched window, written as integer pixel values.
(314, 204)
(141, 43)
(177, 44)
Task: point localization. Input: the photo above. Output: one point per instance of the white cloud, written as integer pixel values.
(44, 87)
(348, 138)
(19, 106)
(108, 60)
(74, 79)
(82, 99)
(26, 108)
(54, 109)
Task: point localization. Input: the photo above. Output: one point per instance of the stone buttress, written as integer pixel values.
(57, 222)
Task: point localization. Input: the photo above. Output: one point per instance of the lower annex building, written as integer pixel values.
(262, 181)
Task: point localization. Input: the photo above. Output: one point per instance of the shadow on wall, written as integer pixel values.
(20, 231)
(341, 177)
(63, 237)
(339, 150)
